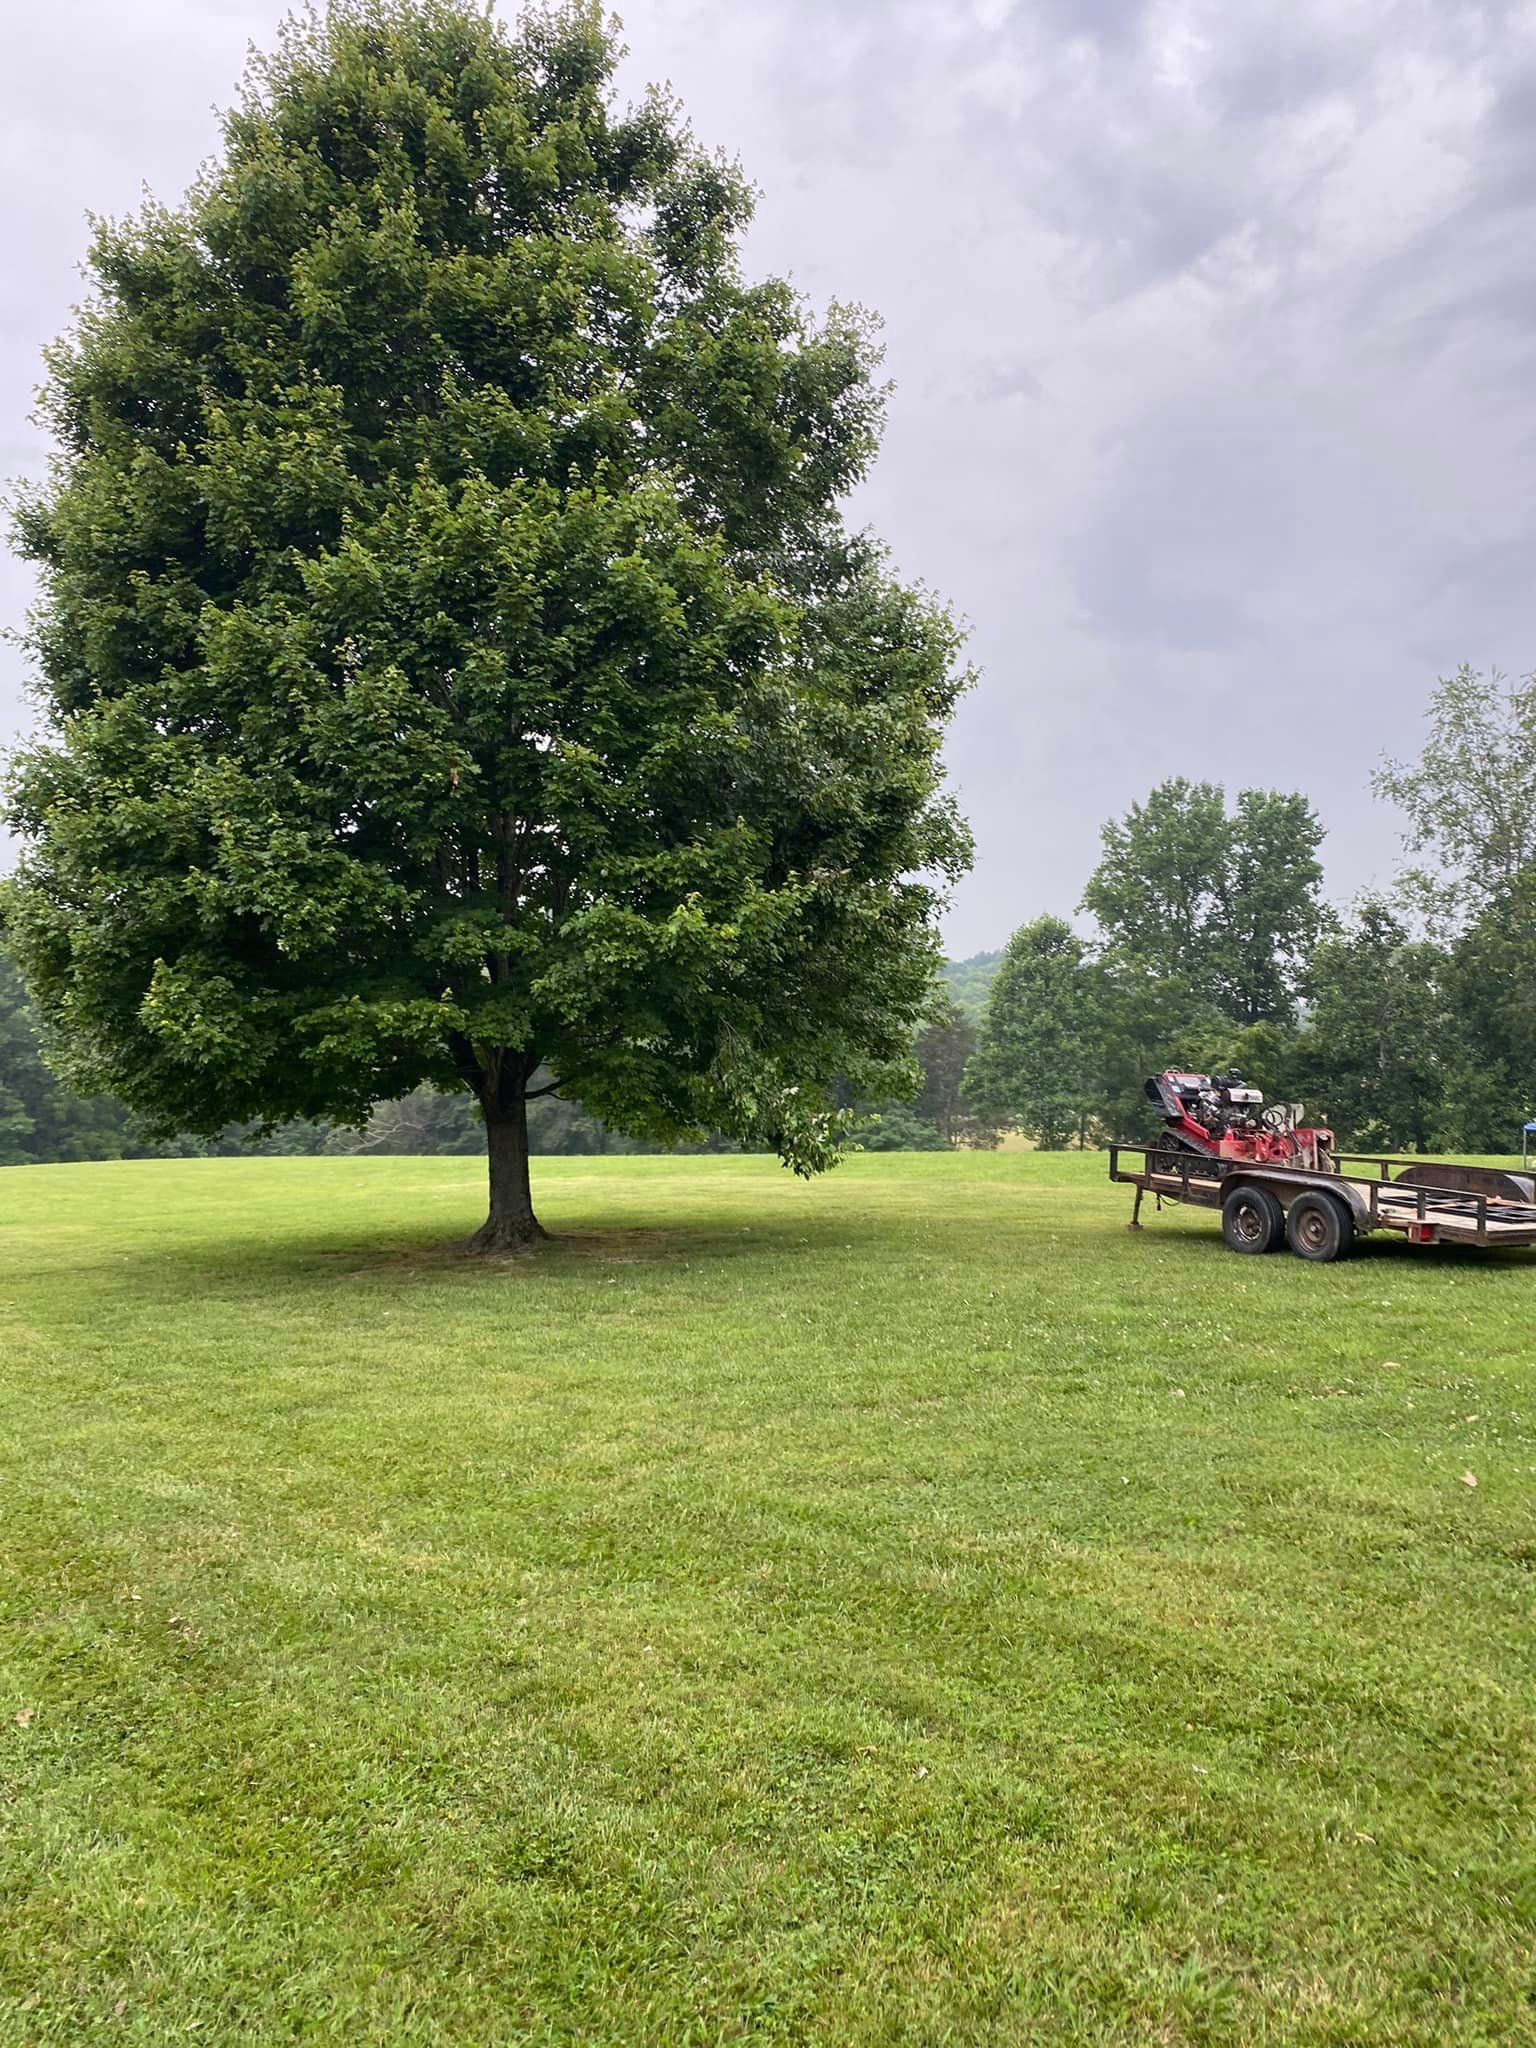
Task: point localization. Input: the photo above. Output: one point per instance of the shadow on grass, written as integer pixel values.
(294, 1266)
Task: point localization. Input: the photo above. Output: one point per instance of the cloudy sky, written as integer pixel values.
(1211, 328)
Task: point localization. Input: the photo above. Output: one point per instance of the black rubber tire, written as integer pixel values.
(1320, 1228)
(1252, 1220)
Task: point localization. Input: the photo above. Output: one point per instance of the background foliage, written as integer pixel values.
(1407, 1021)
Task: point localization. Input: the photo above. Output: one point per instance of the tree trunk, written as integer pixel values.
(511, 1225)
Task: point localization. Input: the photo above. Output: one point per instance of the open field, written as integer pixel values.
(904, 1609)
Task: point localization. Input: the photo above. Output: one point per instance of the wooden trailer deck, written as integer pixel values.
(1480, 1205)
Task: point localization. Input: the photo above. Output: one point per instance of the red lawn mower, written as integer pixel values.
(1220, 1117)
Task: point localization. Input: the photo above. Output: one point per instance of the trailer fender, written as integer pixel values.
(1469, 1180)
(1286, 1184)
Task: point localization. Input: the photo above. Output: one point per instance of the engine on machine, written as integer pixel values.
(1221, 1117)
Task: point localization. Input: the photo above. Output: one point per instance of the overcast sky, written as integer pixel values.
(1211, 329)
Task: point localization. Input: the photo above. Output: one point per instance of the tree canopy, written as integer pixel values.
(968, 980)
(1378, 1031)
(1033, 1066)
(1470, 798)
(455, 661)
(1470, 802)
(1228, 902)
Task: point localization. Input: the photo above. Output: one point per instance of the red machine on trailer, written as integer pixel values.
(1221, 1117)
(1278, 1180)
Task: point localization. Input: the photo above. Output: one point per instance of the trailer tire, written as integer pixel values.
(1320, 1228)
(1252, 1220)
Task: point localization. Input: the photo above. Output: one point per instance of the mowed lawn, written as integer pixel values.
(901, 1609)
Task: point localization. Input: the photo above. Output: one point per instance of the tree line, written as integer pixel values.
(1406, 1020)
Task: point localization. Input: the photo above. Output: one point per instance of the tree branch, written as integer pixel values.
(549, 1088)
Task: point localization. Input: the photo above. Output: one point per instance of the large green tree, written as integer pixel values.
(454, 656)
(1470, 804)
(1228, 903)
(1379, 1032)
(1033, 1068)
(1470, 798)
(1490, 983)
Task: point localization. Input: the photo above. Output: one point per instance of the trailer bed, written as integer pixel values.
(1420, 1210)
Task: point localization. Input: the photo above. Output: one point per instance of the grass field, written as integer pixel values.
(904, 1609)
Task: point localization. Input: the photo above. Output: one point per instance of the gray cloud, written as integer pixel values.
(1211, 328)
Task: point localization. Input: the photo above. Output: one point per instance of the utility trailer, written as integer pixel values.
(1320, 1213)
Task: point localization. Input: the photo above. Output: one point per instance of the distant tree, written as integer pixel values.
(898, 1127)
(1470, 800)
(1228, 904)
(1490, 982)
(1161, 876)
(40, 1118)
(944, 1048)
(426, 1122)
(1033, 1067)
(969, 980)
(1279, 1058)
(1273, 909)
(938, 1117)
(18, 1060)
(297, 1138)
(1470, 797)
(1147, 1019)
(453, 655)
(1379, 1032)
(18, 1047)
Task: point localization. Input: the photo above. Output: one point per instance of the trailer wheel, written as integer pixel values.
(1319, 1227)
(1252, 1221)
